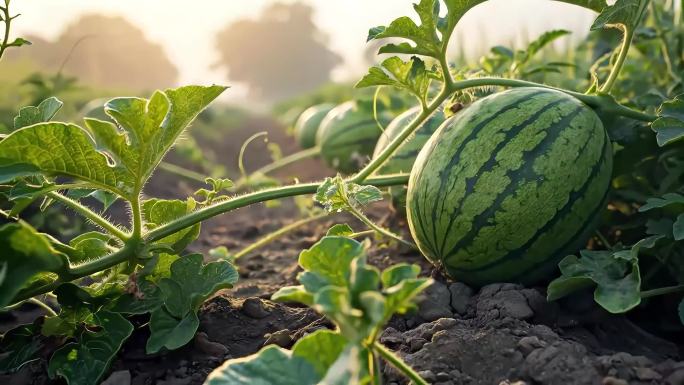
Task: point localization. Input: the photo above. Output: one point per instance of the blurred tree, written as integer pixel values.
(104, 51)
(280, 54)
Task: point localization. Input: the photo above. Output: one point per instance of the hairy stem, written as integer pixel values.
(277, 234)
(83, 270)
(94, 217)
(256, 197)
(136, 214)
(398, 364)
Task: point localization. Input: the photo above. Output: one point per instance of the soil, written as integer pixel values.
(498, 334)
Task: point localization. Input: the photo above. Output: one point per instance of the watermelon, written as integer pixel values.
(307, 124)
(403, 158)
(509, 186)
(347, 136)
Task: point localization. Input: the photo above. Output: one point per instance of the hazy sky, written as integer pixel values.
(186, 28)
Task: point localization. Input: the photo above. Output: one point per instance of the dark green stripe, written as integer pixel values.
(566, 209)
(487, 165)
(456, 158)
(345, 130)
(516, 176)
(575, 237)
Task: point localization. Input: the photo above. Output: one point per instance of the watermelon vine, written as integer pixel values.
(506, 187)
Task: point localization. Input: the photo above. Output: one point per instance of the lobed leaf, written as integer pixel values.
(84, 362)
(25, 253)
(616, 275)
(340, 229)
(430, 37)
(411, 76)
(666, 200)
(272, 365)
(336, 194)
(623, 14)
(160, 211)
(167, 331)
(20, 346)
(104, 156)
(669, 126)
(330, 258)
(191, 283)
(44, 112)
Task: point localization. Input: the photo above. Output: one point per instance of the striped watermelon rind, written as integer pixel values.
(403, 158)
(509, 186)
(308, 123)
(347, 136)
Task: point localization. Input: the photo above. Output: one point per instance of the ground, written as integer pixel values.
(501, 333)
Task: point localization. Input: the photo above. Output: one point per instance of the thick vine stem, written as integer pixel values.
(256, 197)
(94, 217)
(398, 364)
(86, 269)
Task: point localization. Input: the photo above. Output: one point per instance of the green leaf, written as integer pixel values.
(270, 366)
(25, 253)
(44, 112)
(84, 362)
(595, 5)
(395, 274)
(191, 283)
(18, 42)
(362, 278)
(350, 368)
(293, 294)
(669, 126)
(401, 285)
(58, 149)
(160, 211)
(90, 245)
(321, 349)
(146, 298)
(336, 195)
(67, 323)
(330, 258)
(148, 130)
(411, 76)
(341, 230)
(615, 274)
(678, 228)
(666, 200)
(167, 331)
(539, 43)
(20, 346)
(430, 36)
(624, 14)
